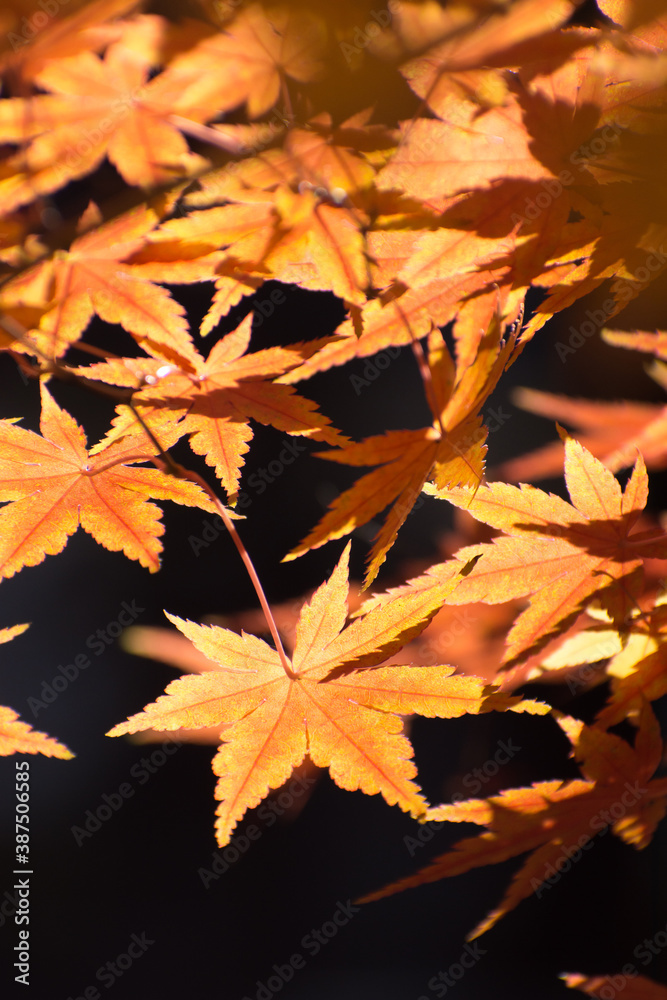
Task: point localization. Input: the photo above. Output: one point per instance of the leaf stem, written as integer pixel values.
(180, 472)
(427, 380)
(207, 134)
(247, 562)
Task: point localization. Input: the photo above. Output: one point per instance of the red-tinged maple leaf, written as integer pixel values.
(56, 486)
(558, 555)
(214, 405)
(331, 701)
(93, 277)
(450, 451)
(556, 820)
(613, 432)
(17, 736)
(634, 987)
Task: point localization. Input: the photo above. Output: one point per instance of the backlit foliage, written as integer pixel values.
(249, 142)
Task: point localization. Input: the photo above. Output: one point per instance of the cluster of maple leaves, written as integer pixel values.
(533, 157)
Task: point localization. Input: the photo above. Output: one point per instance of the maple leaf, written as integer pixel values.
(62, 36)
(291, 236)
(20, 737)
(408, 314)
(451, 451)
(559, 555)
(638, 340)
(17, 736)
(634, 987)
(334, 704)
(249, 60)
(95, 108)
(56, 486)
(437, 158)
(215, 403)
(92, 277)
(613, 432)
(620, 196)
(458, 70)
(557, 821)
(337, 159)
(632, 13)
(637, 670)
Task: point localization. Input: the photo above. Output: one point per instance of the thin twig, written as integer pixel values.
(247, 562)
(180, 472)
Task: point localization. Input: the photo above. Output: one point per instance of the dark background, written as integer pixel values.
(140, 872)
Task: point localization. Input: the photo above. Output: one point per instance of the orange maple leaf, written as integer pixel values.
(456, 75)
(65, 34)
(556, 820)
(20, 737)
(637, 670)
(437, 158)
(331, 704)
(95, 108)
(559, 555)
(93, 277)
(215, 403)
(247, 62)
(56, 486)
(450, 451)
(291, 236)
